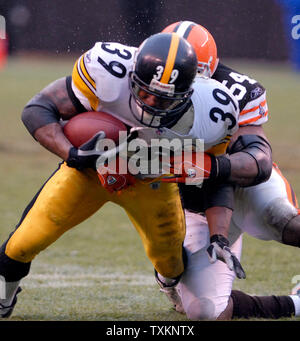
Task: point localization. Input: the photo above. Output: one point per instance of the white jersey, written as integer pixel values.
(100, 82)
(216, 114)
(250, 94)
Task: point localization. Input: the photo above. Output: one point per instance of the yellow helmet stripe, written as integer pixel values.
(171, 58)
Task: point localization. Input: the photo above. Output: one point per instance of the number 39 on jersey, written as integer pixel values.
(106, 63)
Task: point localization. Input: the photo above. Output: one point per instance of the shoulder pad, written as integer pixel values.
(101, 73)
(109, 64)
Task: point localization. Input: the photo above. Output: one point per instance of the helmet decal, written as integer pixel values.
(160, 70)
(155, 85)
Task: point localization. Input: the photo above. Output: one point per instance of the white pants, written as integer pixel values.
(261, 211)
(204, 287)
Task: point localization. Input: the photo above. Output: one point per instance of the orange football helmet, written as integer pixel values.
(202, 42)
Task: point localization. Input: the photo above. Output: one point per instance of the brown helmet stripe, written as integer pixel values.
(185, 28)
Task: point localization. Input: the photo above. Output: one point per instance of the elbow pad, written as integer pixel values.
(38, 112)
(260, 150)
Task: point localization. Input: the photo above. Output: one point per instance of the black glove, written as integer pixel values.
(219, 249)
(87, 155)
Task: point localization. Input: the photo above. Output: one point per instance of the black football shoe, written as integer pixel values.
(6, 311)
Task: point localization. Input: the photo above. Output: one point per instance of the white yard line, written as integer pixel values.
(72, 276)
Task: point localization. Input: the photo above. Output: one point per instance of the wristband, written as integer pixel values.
(224, 168)
(219, 238)
(220, 168)
(72, 160)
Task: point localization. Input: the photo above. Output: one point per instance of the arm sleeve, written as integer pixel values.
(38, 112)
(211, 194)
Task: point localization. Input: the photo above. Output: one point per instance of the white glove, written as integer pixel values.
(219, 249)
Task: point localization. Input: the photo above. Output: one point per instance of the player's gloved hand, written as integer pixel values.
(111, 180)
(86, 155)
(219, 249)
(196, 167)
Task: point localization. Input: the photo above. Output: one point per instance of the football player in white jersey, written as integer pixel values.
(151, 89)
(268, 211)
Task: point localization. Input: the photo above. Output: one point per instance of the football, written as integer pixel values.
(80, 128)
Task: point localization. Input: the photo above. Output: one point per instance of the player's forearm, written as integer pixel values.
(218, 219)
(53, 139)
(42, 114)
(244, 169)
(250, 157)
(251, 160)
(248, 162)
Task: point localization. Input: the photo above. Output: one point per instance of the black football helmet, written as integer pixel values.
(161, 80)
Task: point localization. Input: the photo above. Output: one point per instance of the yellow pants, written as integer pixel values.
(70, 196)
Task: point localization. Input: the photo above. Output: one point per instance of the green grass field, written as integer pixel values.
(98, 270)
